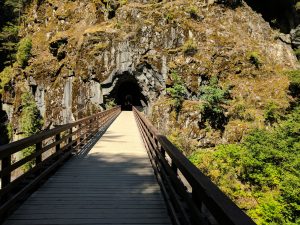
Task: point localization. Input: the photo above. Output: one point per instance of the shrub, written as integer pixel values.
(271, 113)
(10, 130)
(24, 52)
(110, 103)
(8, 43)
(123, 2)
(31, 123)
(5, 77)
(294, 88)
(255, 59)
(177, 91)
(193, 11)
(169, 17)
(262, 174)
(213, 100)
(189, 48)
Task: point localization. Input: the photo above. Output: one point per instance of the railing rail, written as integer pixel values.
(59, 143)
(191, 197)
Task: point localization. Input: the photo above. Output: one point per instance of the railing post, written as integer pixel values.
(38, 147)
(94, 126)
(99, 122)
(174, 168)
(70, 139)
(5, 163)
(86, 130)
(90, 128)
(57, 138)
(79, 134)
(162, 150)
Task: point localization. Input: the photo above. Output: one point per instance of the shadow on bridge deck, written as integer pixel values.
(111, 182)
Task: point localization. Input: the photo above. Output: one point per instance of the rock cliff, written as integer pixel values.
(85, 53)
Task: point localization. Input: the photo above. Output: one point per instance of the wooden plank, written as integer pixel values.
(222, 208)
(113, 184)
(9, 149)
(81, 221)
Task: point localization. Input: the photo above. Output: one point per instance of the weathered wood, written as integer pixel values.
(5, 165)
(9, 149)
(38, 148)
(57, 139)
(113, 184)
(219, 205)
(12, 192)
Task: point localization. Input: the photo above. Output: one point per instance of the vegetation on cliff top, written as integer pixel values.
(214, 98)
(30, 123)
(177, 90)
(24, 52)
(10, 19)
(262, 173)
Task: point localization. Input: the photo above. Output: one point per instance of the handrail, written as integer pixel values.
(62, 141)
(205, 203)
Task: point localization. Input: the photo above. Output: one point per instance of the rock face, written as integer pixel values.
(295, 37)
(281, 14)
(86, 52)
(4, 119)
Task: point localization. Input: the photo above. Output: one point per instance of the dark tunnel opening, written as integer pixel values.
(279, 13)
(128, 93)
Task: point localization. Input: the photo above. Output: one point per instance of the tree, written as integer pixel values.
(8, 42)
(177, 91)
(24, 52)
(213, 100)
(11, 12)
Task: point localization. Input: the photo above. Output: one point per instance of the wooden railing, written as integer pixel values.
(48, 150)
(191, 197)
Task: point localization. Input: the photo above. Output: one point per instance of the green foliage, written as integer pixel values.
(255, 59)
(177, 91)
(5, 77)
(110, 103)
(262, 175)
(169, 17)
(189, 48)
(192, 10)
(297, 6)
(213, 100)
(181, 141)
(294, 87)
(123, 2)
(8, 43)
(119, 25)
(10, 19)
(9, 128)
(30, 123)
(271, 113)
(24, 52)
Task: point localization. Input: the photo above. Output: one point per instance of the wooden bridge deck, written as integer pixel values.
(111, 184)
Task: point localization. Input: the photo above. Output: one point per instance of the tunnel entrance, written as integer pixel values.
(127, 93)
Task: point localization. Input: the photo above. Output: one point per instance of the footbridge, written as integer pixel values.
(110, 168)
